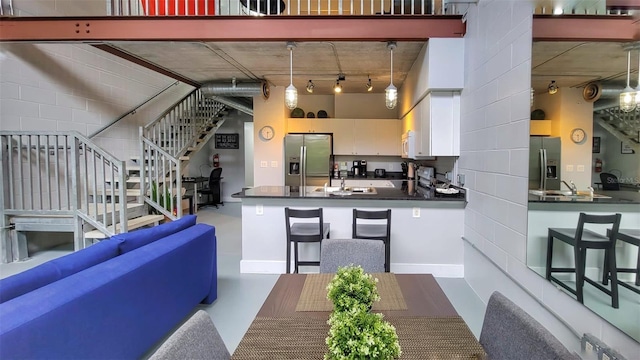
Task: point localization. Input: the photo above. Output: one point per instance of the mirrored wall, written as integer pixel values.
(576, 87)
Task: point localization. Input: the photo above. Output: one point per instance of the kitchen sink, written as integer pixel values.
(348, 190)
(567, 195)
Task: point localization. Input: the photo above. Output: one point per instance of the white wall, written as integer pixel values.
(232, 161)
(269, 112)
(494, 158)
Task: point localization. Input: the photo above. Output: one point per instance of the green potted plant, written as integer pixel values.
(163, 199)
(352, 287)
(361, 334)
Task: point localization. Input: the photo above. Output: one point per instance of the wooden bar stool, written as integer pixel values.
(374, 231)
(631, 236)
(304, 232)
(582, 239)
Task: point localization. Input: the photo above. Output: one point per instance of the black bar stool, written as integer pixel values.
(306, 232)
(631, 236)
(374, 231)
(582, 239)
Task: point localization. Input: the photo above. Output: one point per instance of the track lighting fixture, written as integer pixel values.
(369, 86)
(310, 86)
(628, 96)
(553, 87)
(391, 92)
(291, 93)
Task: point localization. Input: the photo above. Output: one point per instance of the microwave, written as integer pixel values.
(409, 145)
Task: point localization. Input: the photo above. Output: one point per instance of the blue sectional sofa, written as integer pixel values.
(113, 300)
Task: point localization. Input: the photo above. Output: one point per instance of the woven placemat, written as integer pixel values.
(314, 293)
(421, 338)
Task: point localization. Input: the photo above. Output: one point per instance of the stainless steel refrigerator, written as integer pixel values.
(307, 159)
(544, 163)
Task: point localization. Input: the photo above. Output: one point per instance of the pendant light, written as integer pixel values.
(628, 96)
(391, 92)
(291, 93)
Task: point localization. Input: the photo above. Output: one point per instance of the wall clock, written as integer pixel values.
(578, 135)
(266, 133)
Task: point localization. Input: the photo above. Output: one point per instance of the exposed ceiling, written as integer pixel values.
(569, 64)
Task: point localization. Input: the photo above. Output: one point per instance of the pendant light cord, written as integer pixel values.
(291, 65)
(628, 67)
(391, 65)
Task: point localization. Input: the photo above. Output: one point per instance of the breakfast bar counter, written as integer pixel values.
(426, 228)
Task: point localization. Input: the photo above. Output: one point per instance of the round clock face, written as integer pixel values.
(578, 135)
(266, 133)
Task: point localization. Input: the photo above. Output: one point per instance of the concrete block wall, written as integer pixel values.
(494, 158)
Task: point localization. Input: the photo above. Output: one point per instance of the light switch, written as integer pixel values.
(259, 210)
(569, 168)
(264, 164)
(580, 168)
(274, 163)
(416, 212)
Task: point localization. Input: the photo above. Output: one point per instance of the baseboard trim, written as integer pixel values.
(437, 270)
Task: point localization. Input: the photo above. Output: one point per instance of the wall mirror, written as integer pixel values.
(576, 85)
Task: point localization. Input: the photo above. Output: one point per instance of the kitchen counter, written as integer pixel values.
(398, 193)
(610, 197)
(426, 229)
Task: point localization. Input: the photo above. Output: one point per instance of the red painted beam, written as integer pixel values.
(585, 28)
(232, 28)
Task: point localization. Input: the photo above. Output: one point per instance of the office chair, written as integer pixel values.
(213, 191)
(609, 181)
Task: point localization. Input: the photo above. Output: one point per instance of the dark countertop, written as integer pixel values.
(615, 197)
(293, 192)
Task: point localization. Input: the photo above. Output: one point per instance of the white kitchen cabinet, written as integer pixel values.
(439, 125)
(377, 137)
(355, 136)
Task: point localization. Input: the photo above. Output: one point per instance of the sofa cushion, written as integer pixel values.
(87, 257)
(29, 280)
(135, 239)
(57, 269)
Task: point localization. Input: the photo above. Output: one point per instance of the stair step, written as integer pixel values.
(131, 225)
(129, 192)
(136, 180)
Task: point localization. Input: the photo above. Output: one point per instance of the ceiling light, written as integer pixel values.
(553, 87)
(391, 92)
(291, 93)
(337, 88)
(310, 86)
(628, 96)
(369, 86)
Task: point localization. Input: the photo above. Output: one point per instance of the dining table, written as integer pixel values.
(292, 322)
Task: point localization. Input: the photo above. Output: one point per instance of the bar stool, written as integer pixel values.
(305, 232)
(631, 236)
(582, 239)
(374, 231)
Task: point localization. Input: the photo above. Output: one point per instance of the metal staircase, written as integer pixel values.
(623, 125)
(63, 182)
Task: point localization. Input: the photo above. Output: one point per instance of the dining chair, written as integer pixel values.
(509, 332)
(609, 181)
(582, 239)
(197, 338)
(630, 236)
(376, 225)
(304, 232)
(337, 253)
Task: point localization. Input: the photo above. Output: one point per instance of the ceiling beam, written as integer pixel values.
(585, 28)
(232, 28)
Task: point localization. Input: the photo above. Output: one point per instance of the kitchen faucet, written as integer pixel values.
(572, 187)
(341, 183)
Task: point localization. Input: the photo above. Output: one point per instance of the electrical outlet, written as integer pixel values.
(259, 210)
(416, 212)
(264, 164)
(274, 163)
(569, 168)
(580, 168)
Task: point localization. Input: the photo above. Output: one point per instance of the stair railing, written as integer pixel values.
(176, 129)
(623, 125)
(61, 173)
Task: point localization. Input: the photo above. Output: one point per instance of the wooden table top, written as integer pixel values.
(421, 292)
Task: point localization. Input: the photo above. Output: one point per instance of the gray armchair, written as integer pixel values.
(508, 332)
(343, 252)
(197, 338)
